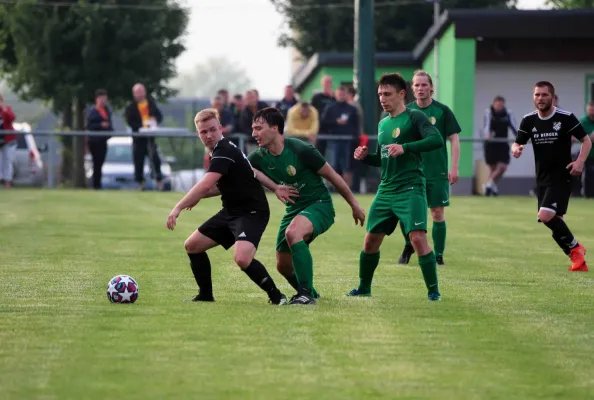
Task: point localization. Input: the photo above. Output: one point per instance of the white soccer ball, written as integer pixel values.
(122, 289)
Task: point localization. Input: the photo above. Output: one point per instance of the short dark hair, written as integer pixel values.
(351, 90)
(100, 92)
(221, 91)
(499, 98)
(272, 116)
(238, 97)
(591, 103)
(393, 79)
(548, 85)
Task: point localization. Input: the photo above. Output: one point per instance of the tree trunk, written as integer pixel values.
(67, 120)
(78, 164)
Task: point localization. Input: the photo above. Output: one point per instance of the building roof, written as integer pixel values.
(337, 59)
(471, 23)
(501, 24)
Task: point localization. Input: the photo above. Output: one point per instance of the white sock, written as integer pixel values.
(490, 183)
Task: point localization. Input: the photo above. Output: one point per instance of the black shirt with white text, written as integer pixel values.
(551, 140)
(239, 187)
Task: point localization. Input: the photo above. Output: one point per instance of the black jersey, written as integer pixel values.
(240, 190)
(551, 139)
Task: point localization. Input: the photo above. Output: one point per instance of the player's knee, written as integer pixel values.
(545, 216)
(191, 246)
(418, 239)
(293, 235)
(371, 244)
(438, 214)
(243, 260)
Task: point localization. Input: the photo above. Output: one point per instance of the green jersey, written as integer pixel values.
(414, 132)
(435, 163)
(588, 125)
(296, 166)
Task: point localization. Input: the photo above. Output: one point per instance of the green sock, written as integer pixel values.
(429, 269)
(406, 238)
(367, 265)
(303, 264)
(439, 237)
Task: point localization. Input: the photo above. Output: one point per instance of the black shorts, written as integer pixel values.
(226, 228)
(496, 153)
(554, 197)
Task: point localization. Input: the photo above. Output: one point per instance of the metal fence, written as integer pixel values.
(50, 147)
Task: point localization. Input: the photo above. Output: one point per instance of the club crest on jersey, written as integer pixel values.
(291, 171)
(557, 126)
(432, 120)
(396, 133)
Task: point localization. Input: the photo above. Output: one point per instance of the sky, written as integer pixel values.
(245, 32)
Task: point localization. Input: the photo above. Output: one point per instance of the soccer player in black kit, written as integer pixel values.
(550, 129)
(242, 220)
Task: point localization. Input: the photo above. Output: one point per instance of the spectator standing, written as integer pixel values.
(359, 169)
(341, 118)
(287, 102)
(225, 115)
(303, 122)
(320, 101)
(497, 122)
(98, 120)
(588, 124)
(8, 144)
(144, 113)
(237, 106)
(252, 106)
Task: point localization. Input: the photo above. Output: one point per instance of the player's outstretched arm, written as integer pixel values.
(197, 193)
(282, 192)
(336, 180)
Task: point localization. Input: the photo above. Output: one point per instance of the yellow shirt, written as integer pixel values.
(298, 126)
(143, 109)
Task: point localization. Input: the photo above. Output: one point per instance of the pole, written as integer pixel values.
(435, 50)
(364, 63)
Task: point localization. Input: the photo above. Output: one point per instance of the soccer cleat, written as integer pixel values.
(578, 261)
(434, 296)
(356, 292)
(281, 302)
(439, 260)
(406, 254)
(200, 297)
(302, 299)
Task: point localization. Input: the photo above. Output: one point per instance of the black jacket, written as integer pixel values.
(133, 118)
(94, 120)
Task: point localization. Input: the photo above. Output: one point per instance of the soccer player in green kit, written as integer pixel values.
(402, 138)
(435, 163)
(292, 162)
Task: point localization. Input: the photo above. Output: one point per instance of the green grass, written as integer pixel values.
(513, 323)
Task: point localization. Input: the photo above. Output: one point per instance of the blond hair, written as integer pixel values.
(206, 115)
(420, 72)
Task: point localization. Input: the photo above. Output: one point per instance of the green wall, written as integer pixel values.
(455, 87)
(345, 74)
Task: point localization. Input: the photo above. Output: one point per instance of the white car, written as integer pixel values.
(118, 169)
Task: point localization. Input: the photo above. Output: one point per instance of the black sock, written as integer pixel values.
(562, 245)
(257, 273)
(293, 281)
(200, 265)
(561, 232)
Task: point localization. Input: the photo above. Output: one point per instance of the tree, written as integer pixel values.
(318, 26)
(214, 74)
(62, 53)
(567, 4)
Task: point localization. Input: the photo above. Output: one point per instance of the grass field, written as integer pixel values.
(513, 323)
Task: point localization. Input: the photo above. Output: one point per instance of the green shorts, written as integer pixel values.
(438, 193)
(321, 215)
(408, 208)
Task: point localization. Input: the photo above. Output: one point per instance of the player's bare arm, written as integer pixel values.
(283, 193)
(197, 193)
(454, 174)
(336, 180)
(577, 166)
